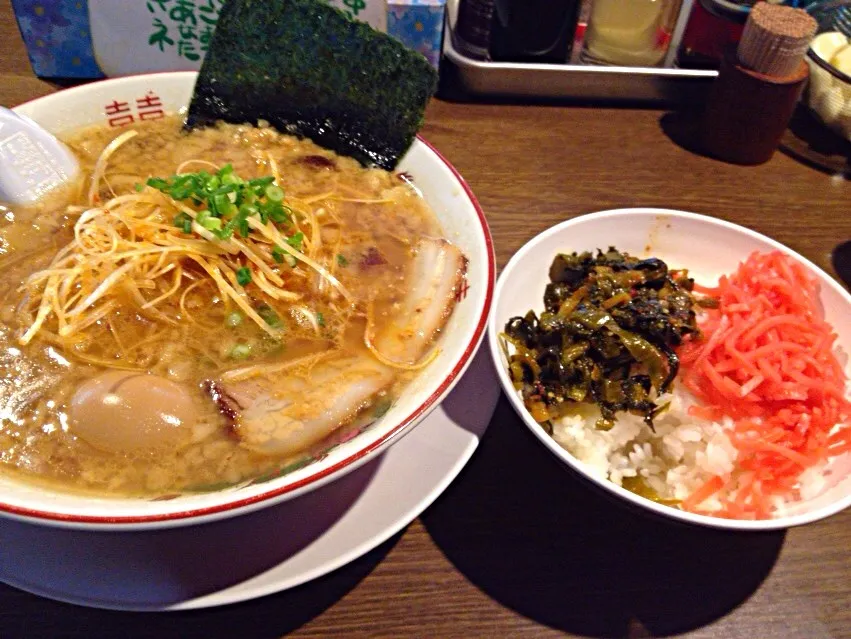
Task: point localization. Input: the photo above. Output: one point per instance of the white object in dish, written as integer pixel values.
(827, 44)
(829, 95)
(464, 224)
(315, 534)
(707, 247)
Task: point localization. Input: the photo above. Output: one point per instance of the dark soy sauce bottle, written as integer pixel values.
(473, 29)
(533, 30)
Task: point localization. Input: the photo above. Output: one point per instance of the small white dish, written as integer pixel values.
(707, 247)
(314, 534)
(121, 101)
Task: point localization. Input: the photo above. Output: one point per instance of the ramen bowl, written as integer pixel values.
(118, 102)
(707, 247)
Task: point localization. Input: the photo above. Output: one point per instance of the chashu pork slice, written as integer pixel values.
(432, 283)
(282, 415)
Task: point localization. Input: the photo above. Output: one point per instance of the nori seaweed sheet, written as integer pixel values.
(310, 71)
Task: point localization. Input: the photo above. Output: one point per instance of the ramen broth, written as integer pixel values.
(363, 225)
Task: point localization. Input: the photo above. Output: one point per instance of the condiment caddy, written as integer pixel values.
(606, 40)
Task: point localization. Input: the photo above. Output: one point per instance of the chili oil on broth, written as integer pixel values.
(366, 222)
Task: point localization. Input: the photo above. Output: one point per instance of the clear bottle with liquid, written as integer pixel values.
(633, 33)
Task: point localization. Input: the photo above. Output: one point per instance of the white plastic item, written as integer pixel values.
(32, 161)
(828, 95)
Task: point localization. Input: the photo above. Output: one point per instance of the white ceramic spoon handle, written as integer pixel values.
(32, 161)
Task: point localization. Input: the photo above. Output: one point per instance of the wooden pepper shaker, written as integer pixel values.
(758, 85)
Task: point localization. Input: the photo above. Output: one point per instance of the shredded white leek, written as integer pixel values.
(100, 166)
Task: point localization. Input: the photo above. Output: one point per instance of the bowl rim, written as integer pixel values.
(824, 64)
(232, 507)
(815, 57)
(779, 523)
(728, 9)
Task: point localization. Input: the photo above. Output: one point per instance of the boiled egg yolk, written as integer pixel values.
(122, 411)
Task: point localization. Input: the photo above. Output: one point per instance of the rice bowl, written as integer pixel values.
(683, 450)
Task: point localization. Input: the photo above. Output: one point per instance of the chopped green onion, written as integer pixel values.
(263, 181)
(296, 240)
(240, 351)
(221, 204)
(279, 214)
(269, 315)
(139, 187)
(274, 193)
(280, 256)
(228, 230)
(247, 210)
(224, 234)
(178, 219)
(183, 222)
(243, 276)
(320, 318)
(226, 201)
(341, 260)
(212, 223)
(234, 318)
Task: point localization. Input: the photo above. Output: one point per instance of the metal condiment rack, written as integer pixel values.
(659, 85)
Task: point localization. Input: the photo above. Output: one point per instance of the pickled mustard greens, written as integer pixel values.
(606, 336)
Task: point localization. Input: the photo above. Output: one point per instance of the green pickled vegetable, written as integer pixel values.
(606, 337)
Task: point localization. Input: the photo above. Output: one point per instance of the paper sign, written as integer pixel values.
(96, 38)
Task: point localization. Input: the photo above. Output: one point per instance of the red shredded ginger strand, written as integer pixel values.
(766, 359)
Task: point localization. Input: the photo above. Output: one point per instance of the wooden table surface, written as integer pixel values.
(516, 546)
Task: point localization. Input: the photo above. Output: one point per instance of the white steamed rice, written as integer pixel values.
(674, 459)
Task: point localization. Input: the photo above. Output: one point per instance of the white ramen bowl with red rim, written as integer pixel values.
(708, 247)
(121, 101)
